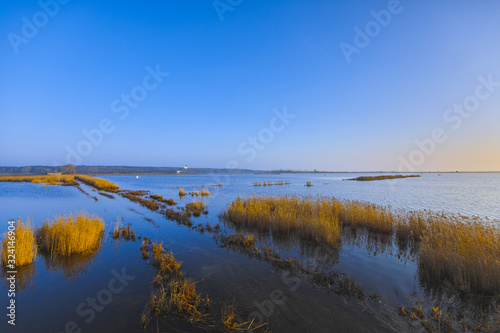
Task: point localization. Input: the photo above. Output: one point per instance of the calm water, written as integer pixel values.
(55, 295)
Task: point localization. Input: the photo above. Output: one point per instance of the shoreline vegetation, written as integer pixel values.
(64, 236)
(370, 178)
(464, 251)
(139, 170)
(64, 180)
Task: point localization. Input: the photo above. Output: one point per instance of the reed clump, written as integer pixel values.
(126, 233)
(19, 247)
(204, 192)
(308, 184)
(160, 198)
(68, 234)
(195, 208)
(465, 253)
(238, 240)
(98, 183)
(284, 216)
(182, 192)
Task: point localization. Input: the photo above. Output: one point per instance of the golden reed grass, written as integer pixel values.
(68, 234)
(182, 192)
(463, 250)
(67, 180)
(24, 243)
(98, 183)
(466, 254)
(306, 218)
(36, 179)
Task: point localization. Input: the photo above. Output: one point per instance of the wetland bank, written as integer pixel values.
(341, 256)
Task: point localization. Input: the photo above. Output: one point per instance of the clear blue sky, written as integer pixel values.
(226, 76)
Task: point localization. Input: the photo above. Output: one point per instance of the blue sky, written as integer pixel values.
(233, 66)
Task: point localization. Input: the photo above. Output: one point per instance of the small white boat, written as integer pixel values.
(137, 177)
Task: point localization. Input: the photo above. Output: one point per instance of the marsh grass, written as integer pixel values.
(69, 234)
(448, 247)
(204, 192)
(271, 183)
(370, 178)
(159, 198)
(150, 204)
(98, 183)
(182, 192)
(173, 293)
(287, 216)
(24, 242)
(67, 180)
(195, 208)
(238, 240)
(308, 184)
(126, 233)
(466, 254)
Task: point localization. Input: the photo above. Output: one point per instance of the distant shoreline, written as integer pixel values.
(134, 170)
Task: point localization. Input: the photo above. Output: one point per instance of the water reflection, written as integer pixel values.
(71, 267)
(23, 278)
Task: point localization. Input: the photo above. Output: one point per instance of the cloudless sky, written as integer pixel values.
(228, 77)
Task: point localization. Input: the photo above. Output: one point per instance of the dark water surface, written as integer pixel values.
(55, 295)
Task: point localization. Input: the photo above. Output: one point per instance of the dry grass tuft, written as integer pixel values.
(68, 234)
(182, 192)
(19, 246)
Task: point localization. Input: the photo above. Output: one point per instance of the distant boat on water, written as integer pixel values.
(137, 177)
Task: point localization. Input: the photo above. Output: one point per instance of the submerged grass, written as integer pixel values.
(172, 293)
(23, 243)
(68, 234)
(230, 323)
